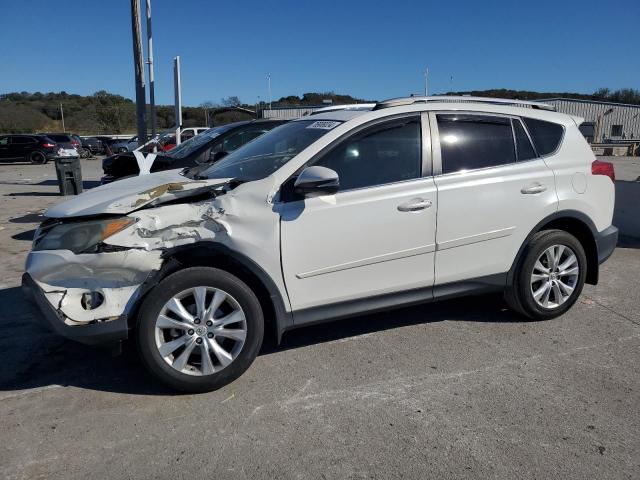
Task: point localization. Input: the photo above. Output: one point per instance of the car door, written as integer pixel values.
(4, 146)
(492, 191)
(18, 146)
(375, 237)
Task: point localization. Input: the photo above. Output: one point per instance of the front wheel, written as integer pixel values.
(200, 329)
(549, 277)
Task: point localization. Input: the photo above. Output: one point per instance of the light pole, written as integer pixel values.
(178, 97)
(62, 117)
(138, 61)
(152, 95)
(426, 82)
(269, 83)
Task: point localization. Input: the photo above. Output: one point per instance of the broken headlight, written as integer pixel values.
(79, 237)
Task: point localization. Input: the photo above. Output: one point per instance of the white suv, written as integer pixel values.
(328, 216)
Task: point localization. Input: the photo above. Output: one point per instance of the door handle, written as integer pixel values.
(414, 205)
(534, 188)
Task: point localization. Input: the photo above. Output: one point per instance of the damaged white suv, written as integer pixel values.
(344, 212)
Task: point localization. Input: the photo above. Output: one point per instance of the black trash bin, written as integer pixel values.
(69, 176)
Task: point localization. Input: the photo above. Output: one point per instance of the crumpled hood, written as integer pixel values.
(131, 194)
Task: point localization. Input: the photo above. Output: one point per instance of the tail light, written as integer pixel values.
(48, 145)
(598, 167)
(75, 142)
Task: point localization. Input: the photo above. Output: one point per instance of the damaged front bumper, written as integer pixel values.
(97, 332)
(88, 297)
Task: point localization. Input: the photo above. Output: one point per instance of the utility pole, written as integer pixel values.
(152, 95)
(138, 61)
(62, 117)
(426, 82)
(269, 80)
(178, 97)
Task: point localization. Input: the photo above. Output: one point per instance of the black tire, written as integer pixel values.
(37, 158)
(173, 285)
(519, 295)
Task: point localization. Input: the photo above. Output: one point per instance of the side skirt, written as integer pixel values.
(335, 311)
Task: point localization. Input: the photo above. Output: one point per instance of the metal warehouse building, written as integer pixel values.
(604, 121)
(289, 113)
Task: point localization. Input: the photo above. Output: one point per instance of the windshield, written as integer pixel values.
(266, 154)
(187, 147)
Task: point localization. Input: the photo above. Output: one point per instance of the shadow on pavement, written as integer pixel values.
(86, 184)
(32, 194)
(35, 358)
(28, 218)
(24, 236)
(483, 309)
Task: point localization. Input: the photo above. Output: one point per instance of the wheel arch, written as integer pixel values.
(200, 254)
(577, 224)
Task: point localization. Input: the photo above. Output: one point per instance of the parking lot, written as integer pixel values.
(462, 388)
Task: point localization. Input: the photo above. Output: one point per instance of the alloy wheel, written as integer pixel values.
(200, 331)
(555, 276)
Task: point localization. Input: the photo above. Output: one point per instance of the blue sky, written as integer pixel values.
(368, 49)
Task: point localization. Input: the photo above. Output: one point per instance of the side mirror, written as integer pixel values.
(316, 181)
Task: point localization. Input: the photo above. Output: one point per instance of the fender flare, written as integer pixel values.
(560, 214)
(283, 319)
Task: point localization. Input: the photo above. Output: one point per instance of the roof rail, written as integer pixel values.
(351, 106)
(396, 102)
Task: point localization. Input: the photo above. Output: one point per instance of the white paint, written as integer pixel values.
(144, 161)
(350, 226)
(359, 246)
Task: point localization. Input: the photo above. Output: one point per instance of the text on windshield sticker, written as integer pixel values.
(324, 124)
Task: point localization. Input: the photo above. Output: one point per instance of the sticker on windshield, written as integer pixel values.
(324, 124)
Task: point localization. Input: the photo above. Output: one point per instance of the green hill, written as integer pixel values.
(103, 112)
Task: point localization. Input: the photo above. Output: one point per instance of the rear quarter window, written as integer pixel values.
(546, 135)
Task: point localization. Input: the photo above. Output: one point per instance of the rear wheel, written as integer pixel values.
(550, 276)
(200, 329)
(37, 158)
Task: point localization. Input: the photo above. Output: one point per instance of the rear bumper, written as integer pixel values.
(606, 242)
(92, 334)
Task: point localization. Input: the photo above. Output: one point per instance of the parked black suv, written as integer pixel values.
(91, 146)
(202, 149)
(37, 149)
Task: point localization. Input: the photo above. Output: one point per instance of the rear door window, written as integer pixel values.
(470, 142)
(546, 135)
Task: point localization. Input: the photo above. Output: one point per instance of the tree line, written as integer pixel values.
(104, 112)
(623, 95)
